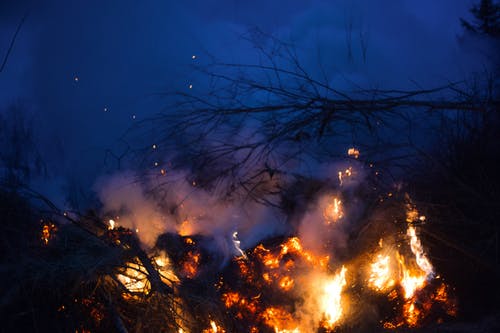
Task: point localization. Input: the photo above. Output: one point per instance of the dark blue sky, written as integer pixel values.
(125, 52)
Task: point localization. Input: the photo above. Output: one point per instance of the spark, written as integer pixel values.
(353, 152)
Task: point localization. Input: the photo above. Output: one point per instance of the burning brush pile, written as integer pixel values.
(336, 264)
(280, 285)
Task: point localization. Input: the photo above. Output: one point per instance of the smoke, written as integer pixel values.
(151, 208)
(125, 197)
(325, 225)
(104, 46)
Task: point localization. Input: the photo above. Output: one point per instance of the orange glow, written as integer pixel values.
(280, 320)
(343, 174)
(185, 228)
(353, 152)
(214, 328)
(411, 280)
(416, 247)
(412, 314)
(381, 275)
(333, 211)
(48, 230)
(164, 267)
(230, 299)
(331, 300)
(134, 278)
(191, 264)
(286, 283)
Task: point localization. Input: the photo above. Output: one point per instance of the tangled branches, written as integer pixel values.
(259, 122)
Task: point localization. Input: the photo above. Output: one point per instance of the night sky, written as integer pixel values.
(85, 71)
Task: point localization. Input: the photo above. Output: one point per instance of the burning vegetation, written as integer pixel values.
(281, 284)
(346, 250)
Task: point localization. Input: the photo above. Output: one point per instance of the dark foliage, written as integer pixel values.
(486, 19)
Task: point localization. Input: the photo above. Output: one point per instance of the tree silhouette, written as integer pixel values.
(486, 19)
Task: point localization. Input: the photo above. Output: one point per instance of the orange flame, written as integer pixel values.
(333, 211)
(280, 320)
(214, 328)
(353, 152)
(381, 275)
(331, 300)
(191, 264)
(48, 230)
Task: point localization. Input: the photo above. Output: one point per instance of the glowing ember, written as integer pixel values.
(381, 275)
(342, 175)
(111, 224)
(164, 267)
(134, 278)
(214, 328)
(353, 152)
(190, 264)
(333, 211)
(286, 283)
(280, 320)
(48, 230)
(230, 299)
(185, 228)
(331, 301)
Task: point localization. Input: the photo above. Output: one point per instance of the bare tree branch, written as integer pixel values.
(13, 41)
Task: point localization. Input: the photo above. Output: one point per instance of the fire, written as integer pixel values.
(342, 174)
(411, 283)
(134, 278)
(280, 320)
(331, 300)
(311, 297)
(48, 230)
(416, 247)
(185, 228)
(381, 274)
(291, 246)
(164, 267)
(111, 224)
(353, 152)
(214, 328)
(230, 299)
(286, 283)
(191, 264)
(333, 211)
